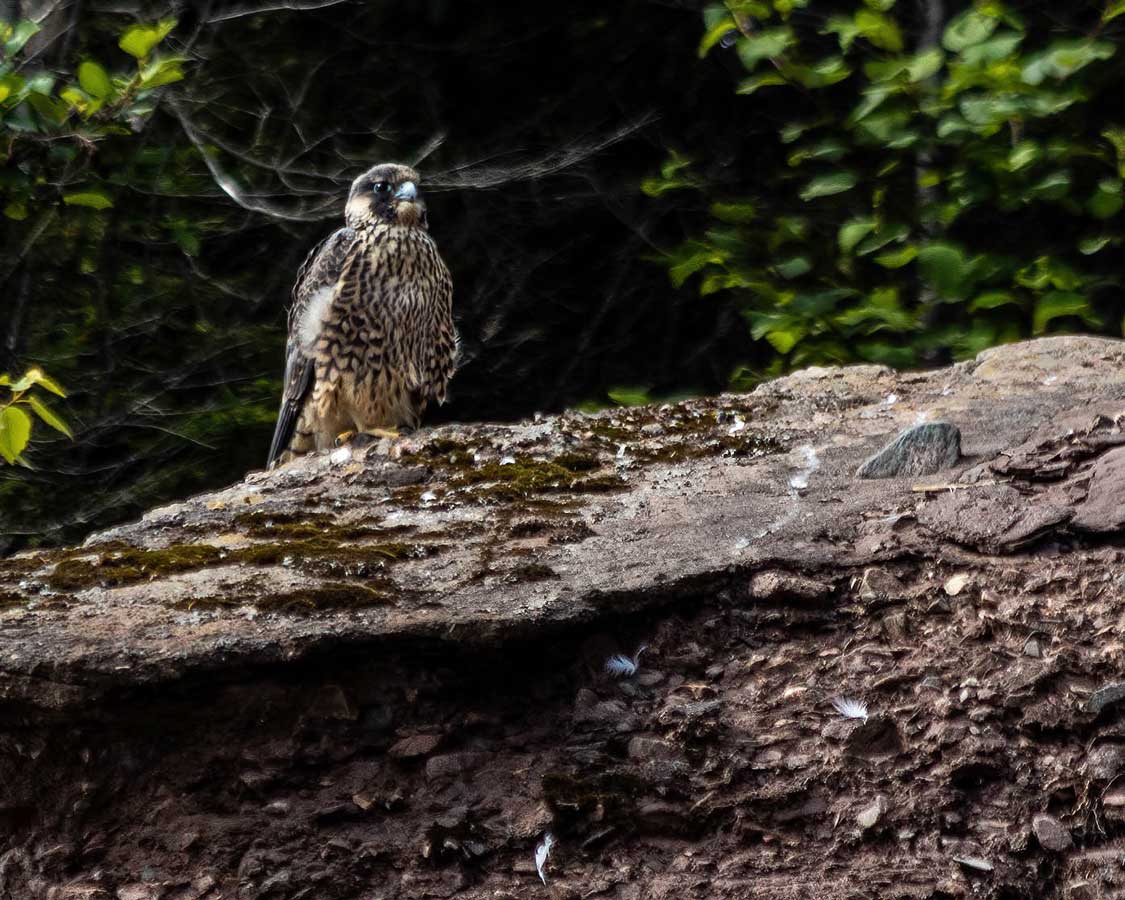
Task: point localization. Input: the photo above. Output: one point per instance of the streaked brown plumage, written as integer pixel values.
(371, 336)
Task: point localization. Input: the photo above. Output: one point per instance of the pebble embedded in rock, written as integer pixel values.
(1051, 834)
(921, 450)
(414, 746)
(869, 816)
(1106, 696)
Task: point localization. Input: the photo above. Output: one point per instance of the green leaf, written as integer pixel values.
(1113, 9)
(794, 267)
(969, 28)
(1116, 137)
(880, 30)
(756, 82)
(896, 259)
(629, 396)
(15, 432)
(828, 71)
(1058, 304)
(714, 34)
(45, 381)
(22, 32)
(138, 40)
(992, 300)
(95, 199)
(851, 233)
(95, 80)
(1023, 155)
(944, 267)
(16, 210)
(161, 72)
(1063, 58)
(827, 185)
(1107, 200)
(1091, 245)
(764, 45)
(48, 416)
(999, 47)
(845, 29)
(736, 213)
(50, 108)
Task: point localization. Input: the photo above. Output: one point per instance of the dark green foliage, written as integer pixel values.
(163, 314)
(931, 190)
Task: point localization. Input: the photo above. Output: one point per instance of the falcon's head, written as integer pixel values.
(386, 193)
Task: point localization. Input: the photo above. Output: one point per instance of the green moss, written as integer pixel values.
(119, 567)
(530, 572)
(328, 596)
(10, 600)
(577, 462)
(295, 526)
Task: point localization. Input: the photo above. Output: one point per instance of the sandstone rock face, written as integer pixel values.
(382, 674)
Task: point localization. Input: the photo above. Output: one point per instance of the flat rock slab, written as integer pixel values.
(480, 532)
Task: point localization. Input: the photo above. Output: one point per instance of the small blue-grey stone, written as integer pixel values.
(920, 450)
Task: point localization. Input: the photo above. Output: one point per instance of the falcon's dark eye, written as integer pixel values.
(381, 187)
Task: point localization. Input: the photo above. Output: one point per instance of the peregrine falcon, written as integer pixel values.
(371, 336)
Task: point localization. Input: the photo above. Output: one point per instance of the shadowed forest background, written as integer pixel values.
(637, 200)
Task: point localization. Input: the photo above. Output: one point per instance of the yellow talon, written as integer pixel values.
(343, 437)
(391, 433)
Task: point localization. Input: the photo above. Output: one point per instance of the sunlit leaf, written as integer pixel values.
(992, 300)
(94, 199)
(998, 47)
(794, 267)
(879, 29)
(1065, 57)
(734, 212)
(161, 72)
(23, 31)
(756, 82)
(944, 267)
(851, 233)
(827, 185)
(1057, 305)
(48, 416)
(716, 33)
(764, 45)
(94, 80)
(896, 259)
(139, 40)
(1113, 10)
(1107, 200)
(15, 432)
(969, 28)
(629, 396)
(1091, 245)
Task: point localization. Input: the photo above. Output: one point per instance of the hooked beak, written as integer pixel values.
(407, 191)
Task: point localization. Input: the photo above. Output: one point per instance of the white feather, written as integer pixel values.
(850, 709)
(619, 664)
(541, 853)
(313, 317)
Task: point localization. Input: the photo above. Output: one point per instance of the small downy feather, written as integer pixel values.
(850, 709)
(541, 853)
(620, 665)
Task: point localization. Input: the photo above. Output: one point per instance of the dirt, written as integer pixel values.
(385, 676)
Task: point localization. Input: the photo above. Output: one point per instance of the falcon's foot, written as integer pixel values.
(373, 436)
(344, 437)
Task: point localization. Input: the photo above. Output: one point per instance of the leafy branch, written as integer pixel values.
(17, 409)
